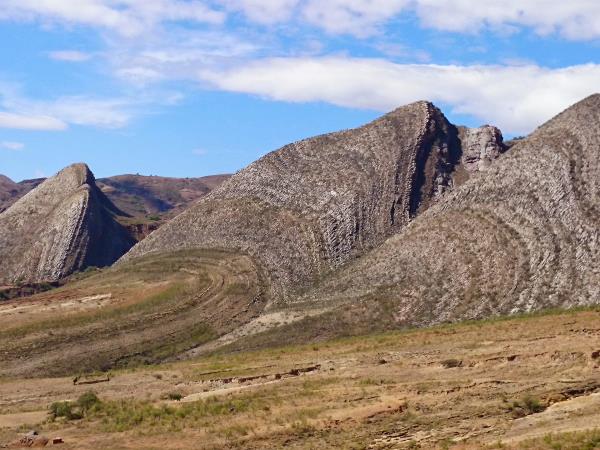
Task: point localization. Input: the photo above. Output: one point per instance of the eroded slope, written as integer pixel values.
(522, 237)
(62, 226)
(310, 207)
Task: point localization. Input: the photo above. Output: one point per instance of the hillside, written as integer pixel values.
(524, 383)
(146, 201)
(10, 191)
(63, 225)
(308, 208)
(522, 237)
(140, 196)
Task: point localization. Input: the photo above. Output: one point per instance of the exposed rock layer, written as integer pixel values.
(523, 236)
(63, 225)
(308, 208)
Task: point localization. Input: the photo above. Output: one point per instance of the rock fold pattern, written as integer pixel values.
(310, 207)
(522, 236)
(63, 225)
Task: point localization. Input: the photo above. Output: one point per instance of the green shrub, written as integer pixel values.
(526, 406)
(175, 396)
(75, 410)
(88, 401)
(67, 410)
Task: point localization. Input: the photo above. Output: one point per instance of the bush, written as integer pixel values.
(452, 363)
(175, 396)
(75, 410)
(64, 409)
(87, 401)
(528, 405)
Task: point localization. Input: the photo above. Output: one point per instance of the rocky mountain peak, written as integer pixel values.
(313, 205)
(63, 225)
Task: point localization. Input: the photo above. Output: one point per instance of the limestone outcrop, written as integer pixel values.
(307, 209)
(63, 225)
(522, 236)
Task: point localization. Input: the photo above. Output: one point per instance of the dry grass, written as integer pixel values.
(390, 390)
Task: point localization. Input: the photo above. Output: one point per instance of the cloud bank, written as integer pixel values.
(536, 93)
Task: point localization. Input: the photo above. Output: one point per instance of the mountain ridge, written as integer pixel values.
(313, 205)
(63, 225)
(521, 237)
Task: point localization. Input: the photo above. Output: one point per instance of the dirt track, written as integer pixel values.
(132, 315)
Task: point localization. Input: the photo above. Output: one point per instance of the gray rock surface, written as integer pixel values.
(63, 225)
(522, 236)
(310, 207)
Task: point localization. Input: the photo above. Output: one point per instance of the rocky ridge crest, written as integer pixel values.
(310, 207)
(63, 225)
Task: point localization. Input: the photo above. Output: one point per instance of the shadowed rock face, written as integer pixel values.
(308, 208)
(62, 226)
(523, 236)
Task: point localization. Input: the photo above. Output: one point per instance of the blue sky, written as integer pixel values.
(198, 87)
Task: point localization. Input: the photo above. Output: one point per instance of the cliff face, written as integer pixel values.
(310, 207)
(522, 236)
(63, 225)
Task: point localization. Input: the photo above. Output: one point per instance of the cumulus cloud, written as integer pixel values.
(358, 17)
(516, 98)
(69, 55)
(576, 19)
(127, 17)
(8, 145)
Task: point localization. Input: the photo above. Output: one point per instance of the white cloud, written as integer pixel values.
(516, 98)
(12, 145)
(18, 111)
(127, 17)
(176, 55)
(30, 122)
(101, 113)
(358, 17)
(69, 56)
(574, 19)
(263, 11)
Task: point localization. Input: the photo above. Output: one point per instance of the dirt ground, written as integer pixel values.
(470, 386)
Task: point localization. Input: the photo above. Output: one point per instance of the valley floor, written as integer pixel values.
(526, 382)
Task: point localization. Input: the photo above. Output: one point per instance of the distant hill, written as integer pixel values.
(10, 191)
(150, 201)
(305, 210)
(63, 225)
(146, 201)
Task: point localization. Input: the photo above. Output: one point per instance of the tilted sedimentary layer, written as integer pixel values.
(308, 208)
(63, 225)
(523, 236)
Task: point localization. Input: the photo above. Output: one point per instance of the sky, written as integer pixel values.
(189, 88)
